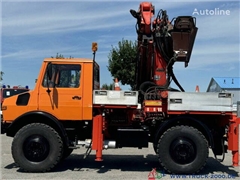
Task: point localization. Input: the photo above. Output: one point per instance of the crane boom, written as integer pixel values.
(160, 45)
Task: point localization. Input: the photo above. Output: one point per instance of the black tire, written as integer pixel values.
(37, 148)
(155, 148)
(182, 150)
(66, 152)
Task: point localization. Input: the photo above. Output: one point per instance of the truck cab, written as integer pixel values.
(58, 94)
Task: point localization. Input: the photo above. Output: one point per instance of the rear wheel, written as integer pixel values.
(182, 149)
(37, 148)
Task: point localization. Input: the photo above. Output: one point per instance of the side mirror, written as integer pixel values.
(49, 75)
(49, 71)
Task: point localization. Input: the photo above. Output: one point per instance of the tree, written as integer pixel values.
(121, 62)
(107, 87)
(59, 56)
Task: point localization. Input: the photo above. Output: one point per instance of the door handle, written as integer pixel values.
(76, 97)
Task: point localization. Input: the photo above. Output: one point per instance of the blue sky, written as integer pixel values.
(33, 30)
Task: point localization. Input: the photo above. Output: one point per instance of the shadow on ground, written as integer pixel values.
(76, 162)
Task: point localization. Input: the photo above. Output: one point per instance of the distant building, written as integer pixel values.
(226, 84)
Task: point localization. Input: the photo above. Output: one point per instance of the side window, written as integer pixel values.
(64, 76)
(96, 77)
(49, 82)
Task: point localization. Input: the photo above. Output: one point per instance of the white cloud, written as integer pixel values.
(220, 28)
(39, 29)
(62, 17)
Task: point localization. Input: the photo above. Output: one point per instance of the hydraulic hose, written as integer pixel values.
(168, 61)
(223, 150)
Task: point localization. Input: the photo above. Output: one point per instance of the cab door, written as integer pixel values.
(60, 93)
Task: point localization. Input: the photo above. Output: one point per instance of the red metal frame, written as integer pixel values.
(233, 139)
(199, 113)
(155, 70)
(97, 136)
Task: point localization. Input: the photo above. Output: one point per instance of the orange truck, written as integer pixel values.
(67, 110)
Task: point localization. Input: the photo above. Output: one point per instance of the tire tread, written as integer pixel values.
(60, 142)
(175, 127)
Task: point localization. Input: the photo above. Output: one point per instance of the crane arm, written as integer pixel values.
(160, 45)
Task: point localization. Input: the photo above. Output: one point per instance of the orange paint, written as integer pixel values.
(62, 102)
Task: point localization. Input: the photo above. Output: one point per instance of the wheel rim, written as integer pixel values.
(183, 150)
(36, 148)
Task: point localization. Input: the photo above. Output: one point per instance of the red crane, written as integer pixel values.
(160, 45)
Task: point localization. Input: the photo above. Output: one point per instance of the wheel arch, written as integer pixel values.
(184, 120)
(37, 117)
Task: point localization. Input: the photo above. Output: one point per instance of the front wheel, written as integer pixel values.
(37, 148)
(66, 152)
(182, 150)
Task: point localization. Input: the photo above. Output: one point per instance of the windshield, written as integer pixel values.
(11, 92)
